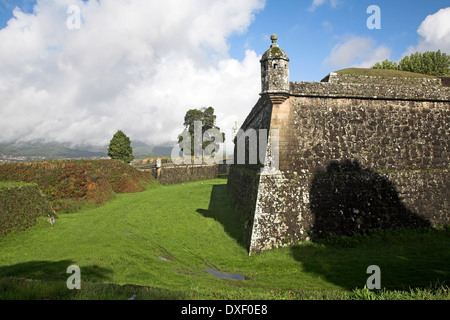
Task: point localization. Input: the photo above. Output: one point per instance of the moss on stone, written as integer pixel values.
(275, 51)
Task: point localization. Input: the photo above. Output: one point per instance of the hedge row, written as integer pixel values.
(20, 206)
(71, 181)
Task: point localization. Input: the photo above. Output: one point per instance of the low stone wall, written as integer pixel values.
(223, 169)
(170, 173)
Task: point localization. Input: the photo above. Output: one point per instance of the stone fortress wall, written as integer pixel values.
(355, 153)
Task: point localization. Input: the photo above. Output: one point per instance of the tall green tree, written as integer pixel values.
(386, 65)
(205, 139)
(120, 147)
(430, 63)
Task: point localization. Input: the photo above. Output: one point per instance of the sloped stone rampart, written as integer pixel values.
(352, 157)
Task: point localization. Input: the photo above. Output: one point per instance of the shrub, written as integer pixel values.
(20, 206)
(70, 181)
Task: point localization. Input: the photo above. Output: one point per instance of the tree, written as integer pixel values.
(208, 137)
(120, 147)
(386, 64)
(430, 63)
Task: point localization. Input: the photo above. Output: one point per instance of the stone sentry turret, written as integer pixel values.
(274, 70)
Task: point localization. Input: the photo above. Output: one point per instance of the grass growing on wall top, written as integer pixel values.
(382, 73)
(162, 239)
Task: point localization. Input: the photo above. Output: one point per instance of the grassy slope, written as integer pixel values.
(382, 73)
(193, 225)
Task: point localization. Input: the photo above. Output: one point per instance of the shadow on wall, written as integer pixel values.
(348, 199)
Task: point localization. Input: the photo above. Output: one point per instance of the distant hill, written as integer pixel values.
(33, 151)
(39, 151)
(141, 150)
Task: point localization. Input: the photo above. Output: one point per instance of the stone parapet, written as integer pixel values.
(371, 91)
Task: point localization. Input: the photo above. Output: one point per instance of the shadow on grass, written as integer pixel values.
(407, 259)
(37, 280)
(221, 209)
(53, 270)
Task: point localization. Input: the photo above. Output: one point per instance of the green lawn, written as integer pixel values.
(157, 243)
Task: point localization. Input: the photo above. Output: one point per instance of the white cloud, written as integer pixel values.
(133, 65)
(356, 52)
(327, 26)
(318, 3)
(434, 33)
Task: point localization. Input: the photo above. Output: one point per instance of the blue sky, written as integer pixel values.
(138, 66)
(309, 36)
